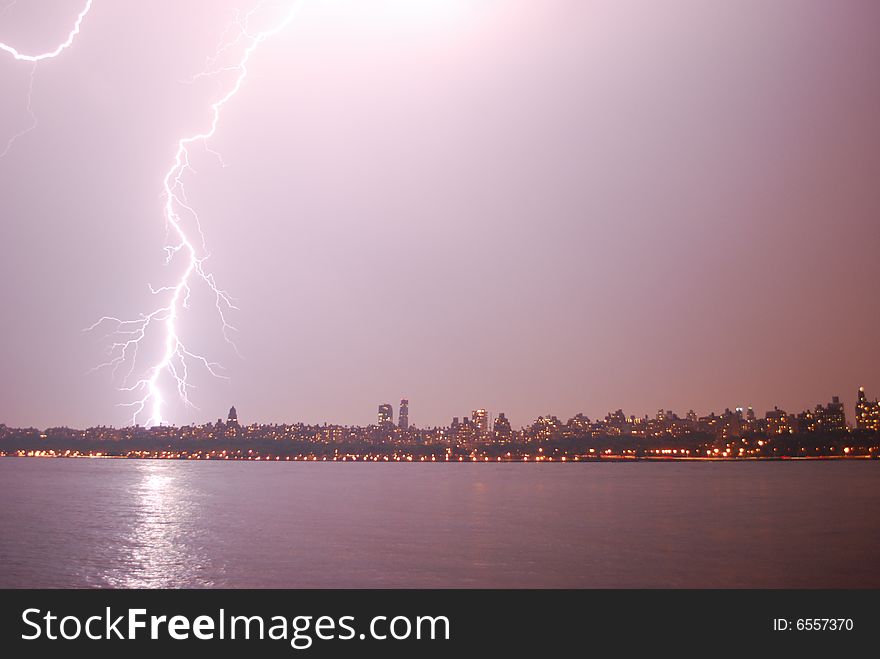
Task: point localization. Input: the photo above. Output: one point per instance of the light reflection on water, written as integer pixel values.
(162, 523)
(165, 546)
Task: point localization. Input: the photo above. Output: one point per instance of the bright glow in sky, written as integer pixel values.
(405, 14)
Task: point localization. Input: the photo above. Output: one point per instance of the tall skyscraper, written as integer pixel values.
(386, 415)
(232, 419)
(481, 420)
(403, 415)
(867, 413)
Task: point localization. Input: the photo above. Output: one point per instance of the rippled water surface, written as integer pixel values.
(159, 523)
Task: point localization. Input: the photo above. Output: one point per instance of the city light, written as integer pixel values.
(819, 433)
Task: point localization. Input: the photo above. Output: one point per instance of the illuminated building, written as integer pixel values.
(386, 415)
(709, 424)
(481, 421)
(867, 413)
(778, 423)
(403, 415)
(616, 423)
(833, 417)
(464, 432)
(830, 418)
(232, 428)
(546, 428)
(732, 424)
(578, 424)
(501, 429)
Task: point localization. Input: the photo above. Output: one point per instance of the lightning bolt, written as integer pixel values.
(64, 45)
(34, 59)
(128, 335)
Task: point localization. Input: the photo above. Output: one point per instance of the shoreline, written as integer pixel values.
(409, 459)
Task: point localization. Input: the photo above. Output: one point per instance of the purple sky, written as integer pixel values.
(531, 206)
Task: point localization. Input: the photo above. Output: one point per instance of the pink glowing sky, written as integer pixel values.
(531, 206)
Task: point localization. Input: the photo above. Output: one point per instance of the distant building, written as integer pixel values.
(867, 413)
(546, 428)
(616, 423)
(464, 431)
(403, 415)
(386, 415)
(501, 429)
(830, 418)
(577, 425)
(481, 421)
(778, 422)
(232, 418)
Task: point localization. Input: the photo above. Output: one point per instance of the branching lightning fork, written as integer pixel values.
(130, 334)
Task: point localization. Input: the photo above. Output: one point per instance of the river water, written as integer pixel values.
(163, 523)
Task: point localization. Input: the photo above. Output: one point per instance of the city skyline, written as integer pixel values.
(821, 432)
(863, 415)
(533, 207)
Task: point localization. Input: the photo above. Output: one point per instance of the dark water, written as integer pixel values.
(147, 523)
